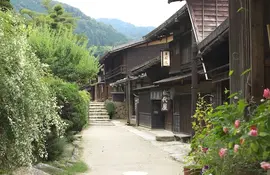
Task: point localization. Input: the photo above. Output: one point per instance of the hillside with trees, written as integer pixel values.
(98, 33)
(131, 31)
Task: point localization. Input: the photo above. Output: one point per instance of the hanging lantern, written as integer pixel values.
(165, 58)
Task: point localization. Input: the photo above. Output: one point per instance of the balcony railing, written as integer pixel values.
(117, 71)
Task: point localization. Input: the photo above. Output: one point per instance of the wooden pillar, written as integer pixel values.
(239, 41)
(257, 48)
(128, 100)
(96, 92)
(194, 69)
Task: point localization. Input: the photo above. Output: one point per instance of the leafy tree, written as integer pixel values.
(56, 16)
(5, 5)
(67, 55)
(28, 109)
(98, 51)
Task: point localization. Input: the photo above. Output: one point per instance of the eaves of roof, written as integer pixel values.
(166, 24)
(121, 48)
(220, 32)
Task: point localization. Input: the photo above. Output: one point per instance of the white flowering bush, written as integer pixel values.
(28, 110)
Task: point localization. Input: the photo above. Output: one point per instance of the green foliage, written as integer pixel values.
(79, 167)
(222, 132)
(28, 109)
(66, 54)
(97, 33)
(73, 102)
(56, 16)
(5, 5)
(110, 107)
(98, 51)
(55, 147)
(200, 121)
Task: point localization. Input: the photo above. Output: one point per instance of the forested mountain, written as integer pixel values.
(98, 33)
(130, 30)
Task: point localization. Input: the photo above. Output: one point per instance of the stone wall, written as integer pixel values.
(120, 110)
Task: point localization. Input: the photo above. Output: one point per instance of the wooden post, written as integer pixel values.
(194, 70)
(96, 92)
(128, 99)
(239, 41)
(257, 48)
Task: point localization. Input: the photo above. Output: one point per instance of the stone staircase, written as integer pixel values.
(98, 114)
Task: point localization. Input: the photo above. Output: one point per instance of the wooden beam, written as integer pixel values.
(257, 48)
(239, 40)
(194, 70)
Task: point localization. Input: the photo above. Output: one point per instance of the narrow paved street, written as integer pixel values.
(114, 150)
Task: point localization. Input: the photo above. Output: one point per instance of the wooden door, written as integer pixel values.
(144, 109)
(158, 120)
(182, 114)
(169, 118)
(185, 114)
(176, 115)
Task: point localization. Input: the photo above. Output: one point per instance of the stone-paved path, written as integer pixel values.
(114, 150)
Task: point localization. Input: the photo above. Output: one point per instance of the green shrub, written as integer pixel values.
(28, 108)
(55, 147)
(110, 107)
(73, 102)
(66, 54)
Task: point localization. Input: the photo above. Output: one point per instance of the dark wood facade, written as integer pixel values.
(249, 46)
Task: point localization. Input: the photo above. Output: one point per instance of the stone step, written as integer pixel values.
(97, 107)
(98, 112)
(95, 104)
(96, 120)
(98, 115)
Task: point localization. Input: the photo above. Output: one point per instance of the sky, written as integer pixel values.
(137, 12)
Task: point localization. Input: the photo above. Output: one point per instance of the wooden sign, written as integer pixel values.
(165, 58)
(165, 101)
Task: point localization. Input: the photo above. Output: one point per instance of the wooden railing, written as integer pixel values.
(117, 71)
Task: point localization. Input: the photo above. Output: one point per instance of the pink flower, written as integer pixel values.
(266, 93)
(253, 132)
(265, 165)
(236, 147)
(237, 123)
(225, 129)
(222, 152)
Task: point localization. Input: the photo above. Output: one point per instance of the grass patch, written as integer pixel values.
(79, 167)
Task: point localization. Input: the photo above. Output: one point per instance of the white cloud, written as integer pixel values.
(138, 12)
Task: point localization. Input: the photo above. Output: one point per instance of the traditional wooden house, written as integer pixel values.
(121, 67)
(190, 26)
(163, 94)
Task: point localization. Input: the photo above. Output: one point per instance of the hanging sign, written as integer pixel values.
(165, 58)
(165, 101)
